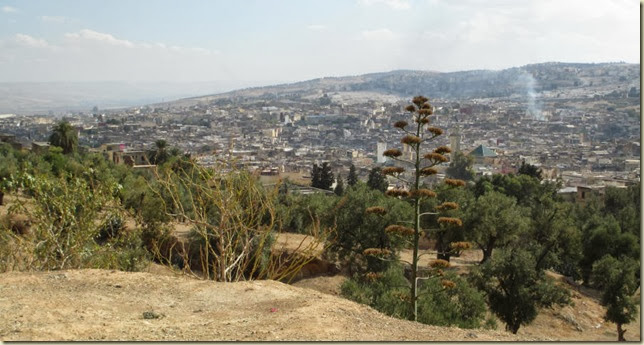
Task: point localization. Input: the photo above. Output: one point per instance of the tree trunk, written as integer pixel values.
(442, 248)
(1, 198)
(487, 254)
(620, 332)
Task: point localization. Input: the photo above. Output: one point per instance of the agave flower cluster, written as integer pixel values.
(424, 164)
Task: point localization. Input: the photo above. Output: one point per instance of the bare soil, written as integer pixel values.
(113, 305)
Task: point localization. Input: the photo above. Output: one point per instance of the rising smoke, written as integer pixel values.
(533, 108)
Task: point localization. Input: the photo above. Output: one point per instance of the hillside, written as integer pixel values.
(114, 305)
(516, 81)
(162, 305)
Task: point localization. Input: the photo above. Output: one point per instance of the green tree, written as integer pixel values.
(377, 180)
(315, 176)
(326, 177)
(447, 300)
(321, 176)
(602, 236)
(515, 288)
(460, 167)
(339, 187)
(530, 170)
(65, 136)
(352, 179)
(617, 279)
(495, 221)
(160, 155)
(361, 217)
(450, 202)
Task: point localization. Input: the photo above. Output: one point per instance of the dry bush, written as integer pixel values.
(233, 223)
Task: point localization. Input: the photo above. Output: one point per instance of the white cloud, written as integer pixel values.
(395, 4)
(29, 41)
(9, 9)
(316, 27)
(91, 35)
(92, 55)
(54, 19)
(378, 35)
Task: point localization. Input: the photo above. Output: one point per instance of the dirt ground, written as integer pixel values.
(164, 305)
(113, 305)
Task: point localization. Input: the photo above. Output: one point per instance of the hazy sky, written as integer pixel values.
(290, 40)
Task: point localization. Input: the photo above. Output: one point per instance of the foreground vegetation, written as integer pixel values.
(68, 210)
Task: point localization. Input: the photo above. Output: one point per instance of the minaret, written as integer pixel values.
(455, 141)
(380, 149)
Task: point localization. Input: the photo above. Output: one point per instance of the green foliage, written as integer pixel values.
(494, 221)
(515, 288)
(461, 167)
(553, 238)
(530, 170)
(300, 213)
(377, 180)
(445, 235)
(68, 219)
(603, 237)
(65, 136)
(460, 305)
(352, 178)
(339, 187)
(356, 230)
(65, 214)
(618, 281)
(321, 176)
(386, 292)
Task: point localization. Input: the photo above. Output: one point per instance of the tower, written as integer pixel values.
(455, 141)
(381, 147)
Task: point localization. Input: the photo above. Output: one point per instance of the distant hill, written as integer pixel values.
(40, 98)
(455, 85)
(25, 98)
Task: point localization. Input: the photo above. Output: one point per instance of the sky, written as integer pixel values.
(271, 41)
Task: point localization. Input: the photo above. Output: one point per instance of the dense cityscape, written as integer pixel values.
(586, 135)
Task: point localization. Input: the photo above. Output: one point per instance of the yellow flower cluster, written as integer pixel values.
(376, 210)
(450, 221)
(392, 153)
(399, 229)
(454, 182)
(393, 170)
(448, 205)
(428, 171)
(448, 284)
(436, 157)
(460, 245)
(410, 139)
(376, 252)
(423, 193)
(442, 150)
(439, 264)
(435, 131)
(398, 193)
(400, 124)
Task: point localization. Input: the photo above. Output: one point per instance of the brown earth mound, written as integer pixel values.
(114, 305)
